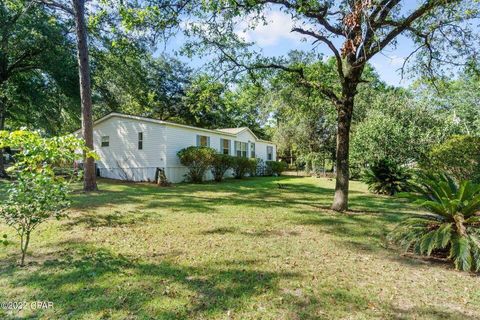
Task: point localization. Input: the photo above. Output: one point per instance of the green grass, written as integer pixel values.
(236, 250)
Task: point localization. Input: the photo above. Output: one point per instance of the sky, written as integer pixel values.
(276, 39)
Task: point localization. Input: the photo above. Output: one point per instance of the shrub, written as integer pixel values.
(38, 193)
(386, 177)
(241, 166)
(459, 156)
(260, 168)
(220, 164)
(452, 225)
(197, 160)
(275, 167)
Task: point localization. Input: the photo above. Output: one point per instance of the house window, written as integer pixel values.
(140, 141)
(105, 141)
(241, 149)
(269, 153)
(252, 150)
(225, 146)
(203, 141)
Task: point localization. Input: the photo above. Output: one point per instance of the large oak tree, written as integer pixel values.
(354, 31)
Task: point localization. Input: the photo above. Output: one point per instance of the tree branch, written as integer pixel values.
(329, 43)
(403, 25)
(299, 71)
(320, 14)
(57, 5)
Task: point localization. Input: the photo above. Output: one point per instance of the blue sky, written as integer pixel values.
(276, 39)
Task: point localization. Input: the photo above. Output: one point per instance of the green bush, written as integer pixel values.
(241, 166)
(197, 160)
(220, 164)
(459, 156)
(275, 167)
(386, 177)
(452, 225)
(259, 168)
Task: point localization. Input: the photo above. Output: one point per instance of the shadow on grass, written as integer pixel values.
(95, 282)
(259, 192)
(89, 282)
(110, 220)
(347, 303)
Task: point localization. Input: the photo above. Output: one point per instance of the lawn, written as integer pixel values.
(236, 250)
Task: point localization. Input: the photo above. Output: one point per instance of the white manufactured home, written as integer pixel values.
(132, 147)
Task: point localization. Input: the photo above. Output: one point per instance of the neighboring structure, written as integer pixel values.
(132, 147)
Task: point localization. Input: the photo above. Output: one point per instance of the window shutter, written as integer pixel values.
(221, 145)
(208, 141)
(229, 146)
(235, 148)
(198, 140)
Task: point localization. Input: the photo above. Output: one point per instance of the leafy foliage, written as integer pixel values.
(38, 193)
(241, 166)
(197, 160)
(38, 73)
(452, 222)
(459, 156)
(395, 126)
(386, 177)
(275, 167)
(220, 164)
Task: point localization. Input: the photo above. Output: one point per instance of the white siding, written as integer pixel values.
(122, 157)
(178, 138)
(161, 142)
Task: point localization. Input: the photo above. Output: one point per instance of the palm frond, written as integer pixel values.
(460, 253)
(453, 221)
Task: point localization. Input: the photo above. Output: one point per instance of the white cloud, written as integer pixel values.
(278, 28)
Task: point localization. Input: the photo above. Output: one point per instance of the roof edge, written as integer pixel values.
(140, 118)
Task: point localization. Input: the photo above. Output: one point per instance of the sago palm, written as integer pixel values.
(386, 177)
(452, 222)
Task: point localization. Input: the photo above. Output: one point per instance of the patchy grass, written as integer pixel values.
(236, 250)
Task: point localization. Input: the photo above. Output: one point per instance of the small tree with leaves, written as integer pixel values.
(38, 193)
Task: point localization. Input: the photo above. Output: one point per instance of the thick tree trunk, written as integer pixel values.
(3, 173)
(340, 201)
(89, 182)
(345, 112)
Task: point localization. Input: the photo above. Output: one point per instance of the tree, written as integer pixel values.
(129, 79)
(457, 100)
(89, 180)
(305, 122)
(30, 42)
(396, 127)
(125, 16)
(459, 156)
(37, 193)
(363, 29)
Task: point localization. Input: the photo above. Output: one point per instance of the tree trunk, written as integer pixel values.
(3, 173)
(345, 112)
(340, 201)
(24, 247)
(460, 224)
(89, 182)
